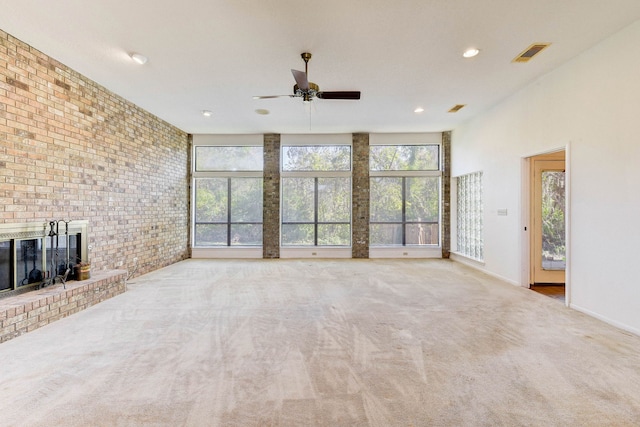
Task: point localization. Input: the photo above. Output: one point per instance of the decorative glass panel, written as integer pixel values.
(469, 212)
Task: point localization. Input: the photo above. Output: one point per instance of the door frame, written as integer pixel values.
(525, 210)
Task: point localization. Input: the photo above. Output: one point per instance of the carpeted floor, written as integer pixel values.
(322, 343)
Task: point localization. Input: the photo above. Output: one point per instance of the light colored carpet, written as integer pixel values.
(322, 343)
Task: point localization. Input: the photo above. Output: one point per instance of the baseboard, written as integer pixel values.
(477, 265)
(605, 319)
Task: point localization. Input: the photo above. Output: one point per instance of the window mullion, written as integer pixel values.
(404, 211)
(315, 212)
(228, 211)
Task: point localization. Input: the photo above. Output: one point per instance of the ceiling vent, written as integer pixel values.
(530, 52)
(457, 108)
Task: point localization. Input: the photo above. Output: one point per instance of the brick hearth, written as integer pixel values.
(24, 313)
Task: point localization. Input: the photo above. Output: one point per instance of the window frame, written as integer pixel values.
(252, 251)
(403, 174)
(316, 175)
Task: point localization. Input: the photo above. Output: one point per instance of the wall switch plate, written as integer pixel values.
(502, 212)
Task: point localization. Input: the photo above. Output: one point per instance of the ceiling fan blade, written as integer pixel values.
(272, 96)
(353, 95)
(301, 79)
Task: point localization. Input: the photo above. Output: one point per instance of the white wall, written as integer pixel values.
(592, 104)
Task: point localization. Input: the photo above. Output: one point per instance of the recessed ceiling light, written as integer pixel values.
(140, 59)
(206, 113)
(262, 111)
(470, 53)
(418, 110)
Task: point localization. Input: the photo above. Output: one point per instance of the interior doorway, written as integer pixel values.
(547, 223)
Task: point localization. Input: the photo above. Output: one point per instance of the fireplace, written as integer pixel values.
(33, 255)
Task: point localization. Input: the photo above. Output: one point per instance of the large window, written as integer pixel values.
(316, 195)
(469, 213)
(227, 196)
(405, 195)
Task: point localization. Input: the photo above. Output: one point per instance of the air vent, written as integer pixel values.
(530, 52)
(457, 108)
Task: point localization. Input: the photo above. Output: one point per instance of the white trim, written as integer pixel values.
(256, 140)
(525, 225)
(226, 252)
(314, 252)
(459, 256)
(567, 224)
(478, 266)
(525, 208)
(317, 139)
(405, 252)
(605, 319)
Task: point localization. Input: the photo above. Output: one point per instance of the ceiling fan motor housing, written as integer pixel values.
(306, 94)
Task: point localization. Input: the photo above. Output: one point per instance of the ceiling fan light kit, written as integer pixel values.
(308, 90)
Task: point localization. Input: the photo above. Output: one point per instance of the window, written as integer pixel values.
(316, 195)
(404, 195)
(228, 196)
(469, 213)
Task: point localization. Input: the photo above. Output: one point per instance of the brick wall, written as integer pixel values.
(360, 196)
(446, 194)
(24, 313)
(271, 197)
(71, 149)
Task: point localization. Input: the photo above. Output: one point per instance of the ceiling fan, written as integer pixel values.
(308, 90)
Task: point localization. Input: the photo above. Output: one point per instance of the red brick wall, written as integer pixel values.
(71, 149)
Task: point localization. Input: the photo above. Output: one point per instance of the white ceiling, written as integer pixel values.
(216, 54)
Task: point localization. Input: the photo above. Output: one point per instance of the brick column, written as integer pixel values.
(360, 196)
(446, 194)
(271, 197)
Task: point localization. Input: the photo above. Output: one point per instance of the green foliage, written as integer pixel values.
(553, 206)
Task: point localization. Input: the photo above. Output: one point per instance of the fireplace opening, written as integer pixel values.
(34, 255)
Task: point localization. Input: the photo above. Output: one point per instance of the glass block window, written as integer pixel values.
(469, 213)
(316, 195)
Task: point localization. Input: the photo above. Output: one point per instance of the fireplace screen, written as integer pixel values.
(5, 265)
(33, 255)
(28, 262)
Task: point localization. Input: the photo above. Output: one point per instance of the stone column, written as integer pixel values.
(360, 196)
(446, 194)
(271, 197)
